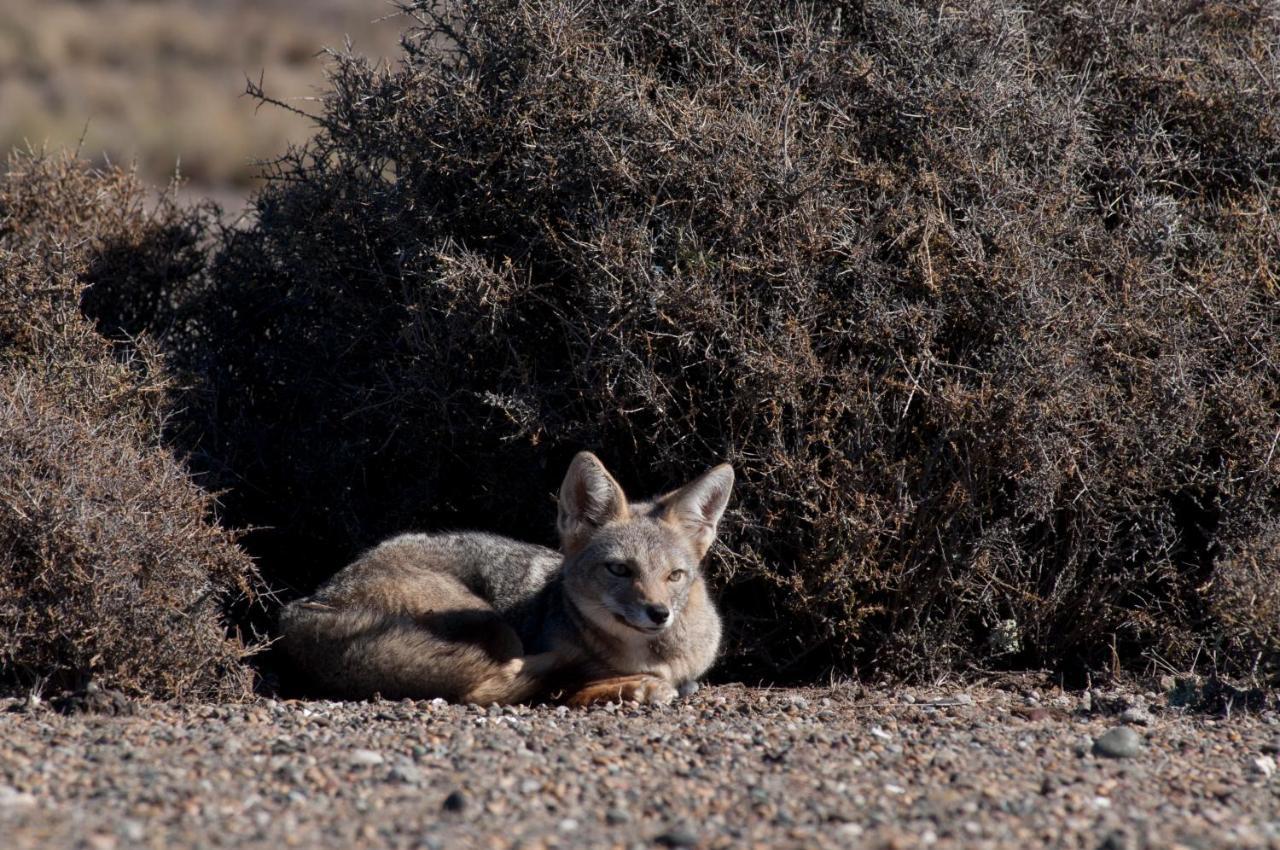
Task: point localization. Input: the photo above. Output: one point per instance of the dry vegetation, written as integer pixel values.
(111, 566)
(983, 302)
(158, 81)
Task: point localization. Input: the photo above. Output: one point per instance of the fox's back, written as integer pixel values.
(394, 576)
(425, 615)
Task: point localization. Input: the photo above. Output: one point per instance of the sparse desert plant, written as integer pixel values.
(111, 564)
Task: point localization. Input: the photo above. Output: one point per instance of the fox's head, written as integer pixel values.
(629, 566)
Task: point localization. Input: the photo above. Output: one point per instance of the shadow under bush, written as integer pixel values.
(981, 304)
(111, 565)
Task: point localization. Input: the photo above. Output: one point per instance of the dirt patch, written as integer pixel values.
(730, 767)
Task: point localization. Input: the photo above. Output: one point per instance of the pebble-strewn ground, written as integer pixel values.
(730, 767)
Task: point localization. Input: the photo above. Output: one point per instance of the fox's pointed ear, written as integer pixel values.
(696, 507)
(589, 498)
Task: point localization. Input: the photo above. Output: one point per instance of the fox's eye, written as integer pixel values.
(675, 575)
(618, 568)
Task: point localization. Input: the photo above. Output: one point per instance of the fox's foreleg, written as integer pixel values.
(642, 687)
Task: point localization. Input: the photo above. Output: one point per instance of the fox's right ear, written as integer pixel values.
(589, 498)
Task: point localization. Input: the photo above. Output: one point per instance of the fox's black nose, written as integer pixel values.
(658, 613)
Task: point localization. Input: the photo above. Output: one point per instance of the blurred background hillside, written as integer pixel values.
(159, 82)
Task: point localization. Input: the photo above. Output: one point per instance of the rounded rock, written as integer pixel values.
(1137, 715)
(364, 758)
(455, 802)
(1118, 743)
(679, 835)
(406, 773)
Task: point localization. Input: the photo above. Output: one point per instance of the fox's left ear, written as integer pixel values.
(696, 507)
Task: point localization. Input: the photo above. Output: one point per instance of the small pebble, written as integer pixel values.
(679, 835)
(364, 758)
(455, 802)
(406, 773)
(1117, 743)
(615, 816)
(133, 831)
(1137, 715)
(1116, 840)
(11, 798)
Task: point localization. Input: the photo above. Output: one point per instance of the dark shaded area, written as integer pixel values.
(981, 303)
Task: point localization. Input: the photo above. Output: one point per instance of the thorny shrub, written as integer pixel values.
(979, 299)
(111, 564)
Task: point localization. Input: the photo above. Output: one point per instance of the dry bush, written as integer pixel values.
(111, 565)
(981, 301)
(1245, 601)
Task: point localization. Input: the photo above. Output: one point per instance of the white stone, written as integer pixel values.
(12, 798)
(365, 757)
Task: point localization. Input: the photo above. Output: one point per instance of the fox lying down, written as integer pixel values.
(621, 612)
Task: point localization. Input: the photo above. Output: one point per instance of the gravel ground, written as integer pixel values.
(729, 767)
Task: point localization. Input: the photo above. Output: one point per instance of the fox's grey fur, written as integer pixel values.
(621, 611)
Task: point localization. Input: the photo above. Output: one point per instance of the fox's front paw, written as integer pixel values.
(646, 689)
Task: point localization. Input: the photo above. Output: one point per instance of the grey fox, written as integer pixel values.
(621, 612)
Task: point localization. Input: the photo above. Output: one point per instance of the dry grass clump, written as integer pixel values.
(980, 300)
(110, 564)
